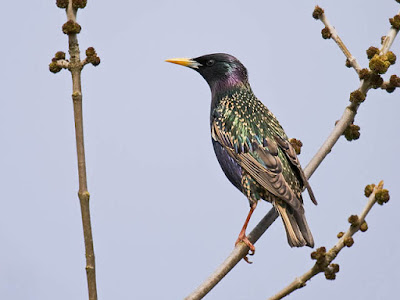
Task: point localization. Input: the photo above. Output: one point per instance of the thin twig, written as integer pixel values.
(321, 265)
(85, 62)
(347, 118)
(74, 65)
(83, 194)
(388, 41)
(334, 35)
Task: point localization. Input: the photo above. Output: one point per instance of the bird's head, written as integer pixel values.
(221, 71)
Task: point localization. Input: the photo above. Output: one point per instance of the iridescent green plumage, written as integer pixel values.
(246, 121)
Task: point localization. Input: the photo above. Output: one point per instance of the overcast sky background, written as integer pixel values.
(164, 216)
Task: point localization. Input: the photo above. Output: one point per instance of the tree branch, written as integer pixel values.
(74, 65)
(334, 35)
(347, 119)
(83, 193)
(325, 258)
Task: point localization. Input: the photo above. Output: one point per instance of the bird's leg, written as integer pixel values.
(242, 235)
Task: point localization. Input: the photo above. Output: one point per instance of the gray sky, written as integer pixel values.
(164, 215)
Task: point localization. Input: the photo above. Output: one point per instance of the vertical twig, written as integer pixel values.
(75, 66)
(83, 194)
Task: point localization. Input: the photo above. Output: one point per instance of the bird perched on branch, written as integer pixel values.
(252, 147)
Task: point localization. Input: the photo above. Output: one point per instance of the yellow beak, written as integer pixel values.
(187, 62)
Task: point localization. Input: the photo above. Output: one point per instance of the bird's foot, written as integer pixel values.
(243, 239)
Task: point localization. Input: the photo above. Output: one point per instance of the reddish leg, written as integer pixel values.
(242, 235)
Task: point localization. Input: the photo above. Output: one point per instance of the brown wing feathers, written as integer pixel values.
(270, 178)
(291, 155)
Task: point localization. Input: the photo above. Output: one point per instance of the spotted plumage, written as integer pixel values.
(252, 147)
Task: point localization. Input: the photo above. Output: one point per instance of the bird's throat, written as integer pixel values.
(226, 89)
(222, 87)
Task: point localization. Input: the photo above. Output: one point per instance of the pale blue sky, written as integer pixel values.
(164, 215)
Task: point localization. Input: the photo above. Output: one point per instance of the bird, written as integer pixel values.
(252, 148)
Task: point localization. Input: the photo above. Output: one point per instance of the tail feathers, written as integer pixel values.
(297, 230)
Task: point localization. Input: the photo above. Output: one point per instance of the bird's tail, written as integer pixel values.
(297, 230)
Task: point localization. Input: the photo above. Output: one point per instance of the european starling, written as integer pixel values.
(252, 147)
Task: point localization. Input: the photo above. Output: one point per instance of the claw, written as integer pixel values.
(247, 260)
(243, 239)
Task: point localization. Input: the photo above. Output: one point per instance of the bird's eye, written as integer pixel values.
(210, 63)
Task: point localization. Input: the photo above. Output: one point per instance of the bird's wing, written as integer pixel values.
(261, 161)
(292, 156)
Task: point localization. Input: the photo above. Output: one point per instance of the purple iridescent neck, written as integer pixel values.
(234, 79)
(226, 87)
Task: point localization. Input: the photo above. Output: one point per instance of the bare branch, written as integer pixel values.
(71, 28)
(83, 193)
(388, 41)
(334, 35)
(324, 260)
(347, 118)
